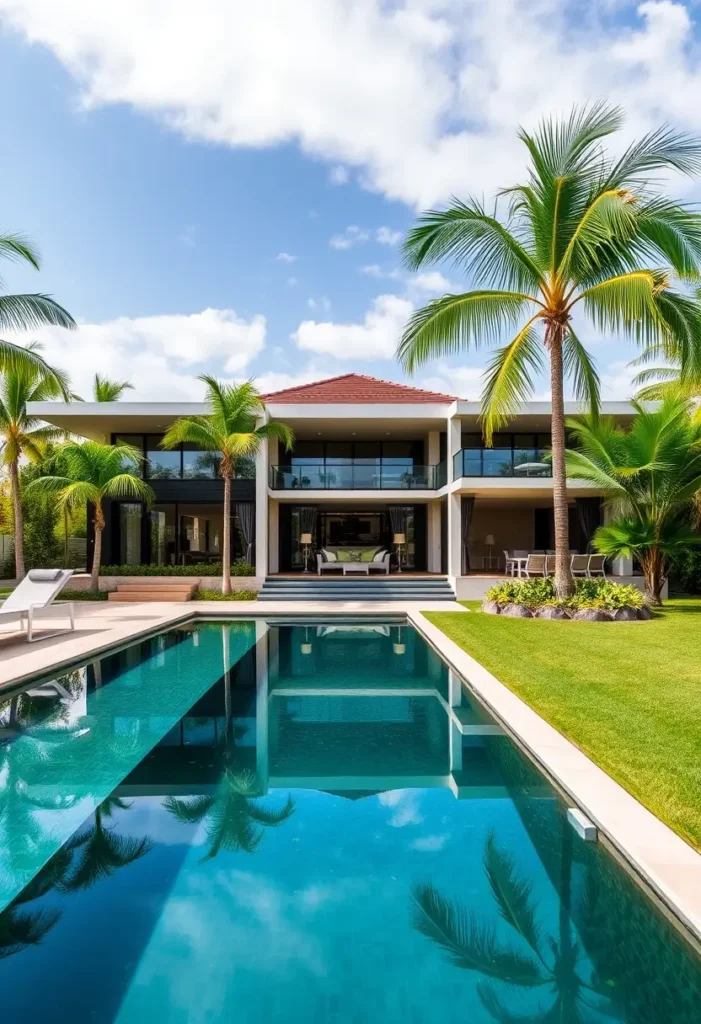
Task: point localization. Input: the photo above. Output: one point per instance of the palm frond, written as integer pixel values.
(446, 326)
(626, 305)
(190, 811)
(580, 369)
(27, 312)
(17, 248)
(610, 220)
(125, 485)
(106, 390)
(661, 149)
(468, 943)
(281, 431)
(267, 816)
(509, 379)
(478, 243)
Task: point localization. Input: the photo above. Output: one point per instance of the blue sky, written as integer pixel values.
(221, 187)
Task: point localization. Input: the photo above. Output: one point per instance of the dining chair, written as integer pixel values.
(535, 565)
(550, 564)
(579, 565)
(597, 565)
(509, 564)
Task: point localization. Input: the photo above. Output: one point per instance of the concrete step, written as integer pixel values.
(137, 596)
(146, 585)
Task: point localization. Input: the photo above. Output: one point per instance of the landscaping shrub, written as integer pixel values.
(238, 568)
(589, 593)
(216, 595)
(83, 595)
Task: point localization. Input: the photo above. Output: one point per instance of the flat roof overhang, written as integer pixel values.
(355, 499)
(509, 489)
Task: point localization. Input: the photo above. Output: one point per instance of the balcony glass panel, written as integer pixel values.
(162, 465)
(513, 462)
(355, 475)
(198, 465)
(496, 462)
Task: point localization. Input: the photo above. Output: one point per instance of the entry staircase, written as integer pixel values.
(147, 591)
(356, 588)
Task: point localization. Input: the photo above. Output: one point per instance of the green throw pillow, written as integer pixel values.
(367, 556)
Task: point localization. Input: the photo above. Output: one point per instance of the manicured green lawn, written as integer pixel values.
(627, 693)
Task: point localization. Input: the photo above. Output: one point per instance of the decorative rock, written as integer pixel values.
(547, 611)
(591, 615)
(625, 614)
(517, 611)
(491, 607)
(644, 612)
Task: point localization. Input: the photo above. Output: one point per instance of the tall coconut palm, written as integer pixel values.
(26, 312)
(549, 967)
(587, 235)
(94, 472)
(106, 390)
(652, 477)
(230, 430)
(24, 436)
(235, 819)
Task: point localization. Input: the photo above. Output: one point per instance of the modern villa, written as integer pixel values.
(375, 465)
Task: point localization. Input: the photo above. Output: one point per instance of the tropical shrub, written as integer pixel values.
(685, 572)
(216, 595)
(238, 568)
(589, 593)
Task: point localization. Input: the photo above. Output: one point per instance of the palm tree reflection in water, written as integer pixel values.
(550, 963)
(236, 820)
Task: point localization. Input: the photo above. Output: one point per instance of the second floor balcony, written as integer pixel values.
(519, 463)
(357, 475)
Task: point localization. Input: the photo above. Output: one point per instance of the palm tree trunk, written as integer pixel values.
(18, 514)
(99, 522)
(564, 585)
(654, 575)
(226, 552)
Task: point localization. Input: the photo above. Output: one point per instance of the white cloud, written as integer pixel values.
(161, 355)
(291, 282)
(405, 805)
(353, 235)
(385, 236)
(375, 270)
(339, 175)
(273, 381)
(443, 84)
(285, 257)
(324, 303)
(462, 381)
(375, 338)
(432, 283)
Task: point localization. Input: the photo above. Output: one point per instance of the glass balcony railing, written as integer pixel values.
(513, 462)
(353, 476)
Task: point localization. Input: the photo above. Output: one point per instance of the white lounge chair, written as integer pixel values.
(36, 592)
(579, 565)
(597, 565)
(535, 565)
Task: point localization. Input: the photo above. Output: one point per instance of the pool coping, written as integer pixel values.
(662, 859)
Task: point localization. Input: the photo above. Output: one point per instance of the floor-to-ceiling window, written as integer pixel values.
(171, 533)
(130, 520)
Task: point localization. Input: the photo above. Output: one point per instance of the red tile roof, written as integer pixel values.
(355, 389)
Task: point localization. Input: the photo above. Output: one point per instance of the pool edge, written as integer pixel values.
(662, 859)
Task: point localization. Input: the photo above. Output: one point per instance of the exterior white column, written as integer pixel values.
(262, 472)
(454, 523)
(273, 535)
(262, 761)
(433, 509)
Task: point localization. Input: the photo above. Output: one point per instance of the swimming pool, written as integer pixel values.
(303, 822)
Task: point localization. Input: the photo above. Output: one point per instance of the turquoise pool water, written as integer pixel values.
(234, 822)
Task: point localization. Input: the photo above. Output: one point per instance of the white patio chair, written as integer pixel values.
(550, 560)
(509, 564)
(535, 565)
(597, 565)
(579, 565)
(36, 592)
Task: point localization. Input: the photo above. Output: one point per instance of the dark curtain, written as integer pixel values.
(589, 514)
(246, 511)
(398, 517)
(307, 519)
(467, 507)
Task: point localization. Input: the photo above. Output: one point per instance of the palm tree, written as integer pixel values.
(24, 436)
(26, 312)
(101, 851)
(235, 819)
(93, 472)
(534, 962)
(230, 430)
(106, 390)
(652, 476)
(585, 235)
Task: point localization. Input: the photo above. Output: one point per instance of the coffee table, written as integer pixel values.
(363, 567)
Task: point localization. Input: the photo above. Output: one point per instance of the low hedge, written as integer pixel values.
(216, 595)
(238, 568)
(539, 591)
